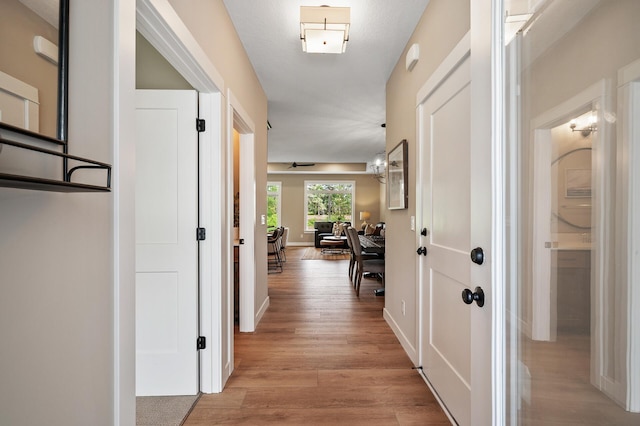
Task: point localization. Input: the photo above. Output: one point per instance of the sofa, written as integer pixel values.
(323, 229)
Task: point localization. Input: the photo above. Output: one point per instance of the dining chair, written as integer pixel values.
(274, 261)
(364, 263)
(283, 243)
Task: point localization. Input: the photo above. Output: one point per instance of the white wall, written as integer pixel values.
(442, 25)
(56, 268)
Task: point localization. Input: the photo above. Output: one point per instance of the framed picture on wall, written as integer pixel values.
(397, 176)
(578, 183)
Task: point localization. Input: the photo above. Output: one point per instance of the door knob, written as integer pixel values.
(422, 251)
(424, 232)
(468, 297)
(477, 255)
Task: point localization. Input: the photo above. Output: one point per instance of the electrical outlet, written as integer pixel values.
(301, 236)
(403, 306)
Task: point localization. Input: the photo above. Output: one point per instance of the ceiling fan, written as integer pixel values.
(294, 164)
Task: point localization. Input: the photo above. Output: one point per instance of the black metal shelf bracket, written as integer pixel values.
(65, 185)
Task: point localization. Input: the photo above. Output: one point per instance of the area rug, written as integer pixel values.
(312, 253)
(163, 410)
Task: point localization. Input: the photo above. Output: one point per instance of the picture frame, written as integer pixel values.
(397, 177)
(577, 183)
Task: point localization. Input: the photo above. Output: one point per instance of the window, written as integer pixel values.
(328, 202)
(274, 189)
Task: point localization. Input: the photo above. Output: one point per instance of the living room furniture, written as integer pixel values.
(323, 229)
(333, 245)
(373, 266)
(274, 243)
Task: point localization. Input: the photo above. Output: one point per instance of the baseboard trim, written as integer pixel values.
(261, 311)
(437, 397)
(300, 244)
(404, 341)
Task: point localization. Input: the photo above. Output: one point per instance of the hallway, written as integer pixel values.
(320, 356)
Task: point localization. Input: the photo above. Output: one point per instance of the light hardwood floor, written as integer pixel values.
(320, 356)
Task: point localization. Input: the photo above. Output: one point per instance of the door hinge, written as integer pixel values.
(201, 342)
(201, 234)
(200, 125)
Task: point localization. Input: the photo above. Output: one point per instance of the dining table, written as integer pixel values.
(372, 243)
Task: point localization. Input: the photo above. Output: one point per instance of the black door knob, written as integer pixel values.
(423, 232)
(477, 255)
(468, 297)
(422, 251)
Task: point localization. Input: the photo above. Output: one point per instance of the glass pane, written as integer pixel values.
(567, 318)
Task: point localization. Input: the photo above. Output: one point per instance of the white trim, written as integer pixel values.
(486, 168)
(628, 231)
(580, 102)
(161, 26)
(18, 88)
(123, 187)
(542, 326)
(629, 73)
(402, 338)
(210, 253)
(262, 310)
(591, 98)
(437, 397)
(28, 95)
(498, 218)
(459, 53)
(238, 119)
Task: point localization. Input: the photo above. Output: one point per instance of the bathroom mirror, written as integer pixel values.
(572, 186)
(34, 68)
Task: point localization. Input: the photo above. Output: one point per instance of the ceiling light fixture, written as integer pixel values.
(324, 29)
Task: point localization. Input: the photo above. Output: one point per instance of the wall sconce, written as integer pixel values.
(324, 29)
(585, 131)
(378, 167)
(364, 216)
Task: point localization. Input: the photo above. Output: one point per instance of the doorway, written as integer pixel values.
(566, 314)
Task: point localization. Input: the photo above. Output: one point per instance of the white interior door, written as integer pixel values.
(166, 246)
(449, 213)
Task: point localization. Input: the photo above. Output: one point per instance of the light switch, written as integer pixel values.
(263, 219)
(413, 223)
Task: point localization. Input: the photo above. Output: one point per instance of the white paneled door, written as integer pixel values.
(446, 213)
(166, 246)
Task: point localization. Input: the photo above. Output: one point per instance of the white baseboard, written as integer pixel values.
(437, 397)
(406, 344)
(262, 310)
(300, 244)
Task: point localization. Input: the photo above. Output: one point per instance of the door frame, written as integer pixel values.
(158, 22)
(239, 120)
(628, 233)
(542, 328)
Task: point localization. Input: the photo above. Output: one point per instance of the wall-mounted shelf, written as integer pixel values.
(62, 185)
(26, 182)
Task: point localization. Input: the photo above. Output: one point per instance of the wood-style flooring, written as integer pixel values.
(559, 387)
(320, 356)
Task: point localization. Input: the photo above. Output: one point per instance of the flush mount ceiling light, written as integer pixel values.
(324, 29)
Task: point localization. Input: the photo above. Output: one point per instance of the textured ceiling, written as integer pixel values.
(325, 108)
